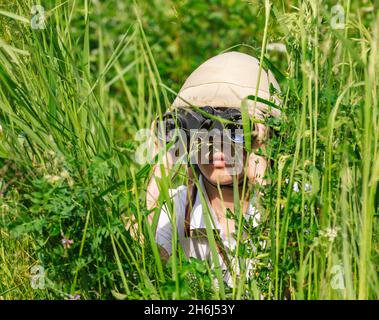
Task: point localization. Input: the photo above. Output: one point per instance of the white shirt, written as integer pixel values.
(197, 246)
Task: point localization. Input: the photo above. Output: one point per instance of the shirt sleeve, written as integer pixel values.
(163, 235)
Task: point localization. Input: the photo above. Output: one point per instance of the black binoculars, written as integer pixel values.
(225, 120)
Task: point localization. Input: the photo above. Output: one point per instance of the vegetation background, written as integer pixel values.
(74, 91)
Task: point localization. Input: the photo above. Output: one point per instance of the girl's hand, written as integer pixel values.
(162, 168)
(257, 164)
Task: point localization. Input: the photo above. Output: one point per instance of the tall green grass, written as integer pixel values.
(73, 95)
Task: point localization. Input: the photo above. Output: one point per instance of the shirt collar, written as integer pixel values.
(197, 216)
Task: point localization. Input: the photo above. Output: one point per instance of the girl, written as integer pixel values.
(217, 87)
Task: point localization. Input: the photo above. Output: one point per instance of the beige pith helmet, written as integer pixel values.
(225, 80)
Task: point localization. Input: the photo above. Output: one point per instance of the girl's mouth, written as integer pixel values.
(218, 160)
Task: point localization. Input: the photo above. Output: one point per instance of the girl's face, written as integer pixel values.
(223, 166)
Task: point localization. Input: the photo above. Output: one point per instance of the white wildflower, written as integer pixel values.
(277, 46)
(296, 187)
(307, 187)
(331, 233)
(52, 179)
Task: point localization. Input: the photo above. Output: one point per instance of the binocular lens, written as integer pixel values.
(169, 125)
(167, 129)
